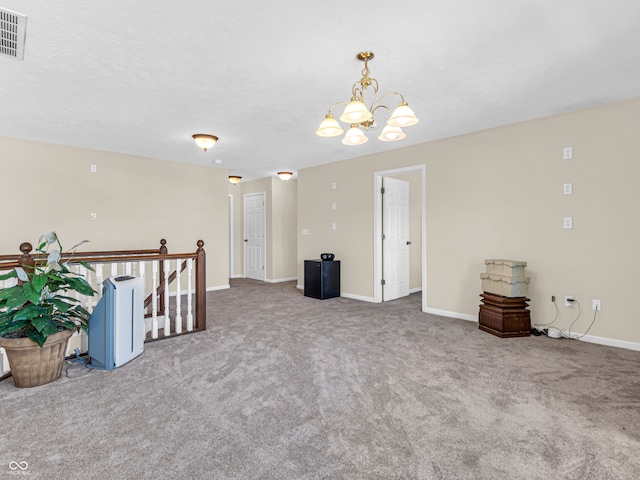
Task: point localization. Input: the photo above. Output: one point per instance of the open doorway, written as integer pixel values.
(417, 225)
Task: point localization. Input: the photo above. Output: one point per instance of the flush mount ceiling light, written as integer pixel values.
(284, 176)
(357, 114)
(205, 141)
(234, 179)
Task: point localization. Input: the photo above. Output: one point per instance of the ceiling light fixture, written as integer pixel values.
(357, 114)
(234, 179)
(284, 176)
(205, 141)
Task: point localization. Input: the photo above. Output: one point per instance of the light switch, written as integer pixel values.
(305, 231)
(333, 206)
(333, 226)
(334, 186)
(568, 222)
(568, 153)
(568, 188)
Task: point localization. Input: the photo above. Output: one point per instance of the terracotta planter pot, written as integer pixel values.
(31, 365)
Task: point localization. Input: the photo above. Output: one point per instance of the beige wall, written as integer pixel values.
(284, 239)
(137, 200)
(499, 194)
(280, 235)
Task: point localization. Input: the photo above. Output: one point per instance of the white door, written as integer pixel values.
(230, 236)
(254, 227)
(395, 243)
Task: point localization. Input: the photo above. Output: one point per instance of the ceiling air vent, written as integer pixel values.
(12, 30)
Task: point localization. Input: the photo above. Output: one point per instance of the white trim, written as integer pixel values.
(377, 229)
(446, 313)
(238, 276)
(611, 342)
(359, 297)
(230, 212)
(349, 295)
(607, 342)
(414, 290)
(279, 280)
(218, 287)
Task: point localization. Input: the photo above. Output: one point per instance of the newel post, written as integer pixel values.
(26, 260)
(201, 288)
(162, 251)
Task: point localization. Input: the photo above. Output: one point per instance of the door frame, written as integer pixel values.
(377, 228)
(230, 212)
(264, 231)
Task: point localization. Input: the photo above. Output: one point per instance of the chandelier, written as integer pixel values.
(356, 113)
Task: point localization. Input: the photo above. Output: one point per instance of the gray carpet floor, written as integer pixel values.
(282, 386)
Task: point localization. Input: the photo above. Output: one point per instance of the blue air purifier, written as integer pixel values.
(116, 326)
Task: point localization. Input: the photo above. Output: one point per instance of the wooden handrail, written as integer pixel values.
(27, 260)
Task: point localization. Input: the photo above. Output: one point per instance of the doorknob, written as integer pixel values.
(246, 240)
(408, 242)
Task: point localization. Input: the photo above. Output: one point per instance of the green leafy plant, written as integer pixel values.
(40, 304)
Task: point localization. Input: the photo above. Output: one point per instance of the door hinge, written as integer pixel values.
(382, 190)
(382, 236)
(383, 282)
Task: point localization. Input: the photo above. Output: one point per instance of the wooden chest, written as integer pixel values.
(504, 316)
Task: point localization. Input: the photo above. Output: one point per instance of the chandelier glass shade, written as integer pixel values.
(355, 136)
(234, 179)
(329, 127)
(357, 114)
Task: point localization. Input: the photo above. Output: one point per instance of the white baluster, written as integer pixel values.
(99, 278)
(154, 300)
(4, 362)
(178, 322)
(189, 311)
(167, 320)
(114, 269)
(141, 270)
(88, 276)
(127, 268)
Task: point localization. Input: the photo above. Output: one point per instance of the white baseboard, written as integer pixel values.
(358, 297)
(608, 342)
(218, 287)
(446, 313)
(279, 280)
(349, 295)
(236, 276)
(611, 342)
(414, 290)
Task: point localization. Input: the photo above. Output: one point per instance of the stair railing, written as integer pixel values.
(163, 305)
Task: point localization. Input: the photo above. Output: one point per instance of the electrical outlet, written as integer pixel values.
(567, 153)
(596, 305)
(567, 188)
(568, 301)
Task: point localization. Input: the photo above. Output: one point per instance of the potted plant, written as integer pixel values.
(38, 315)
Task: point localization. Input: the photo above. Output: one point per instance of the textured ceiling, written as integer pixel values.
(142, 77)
